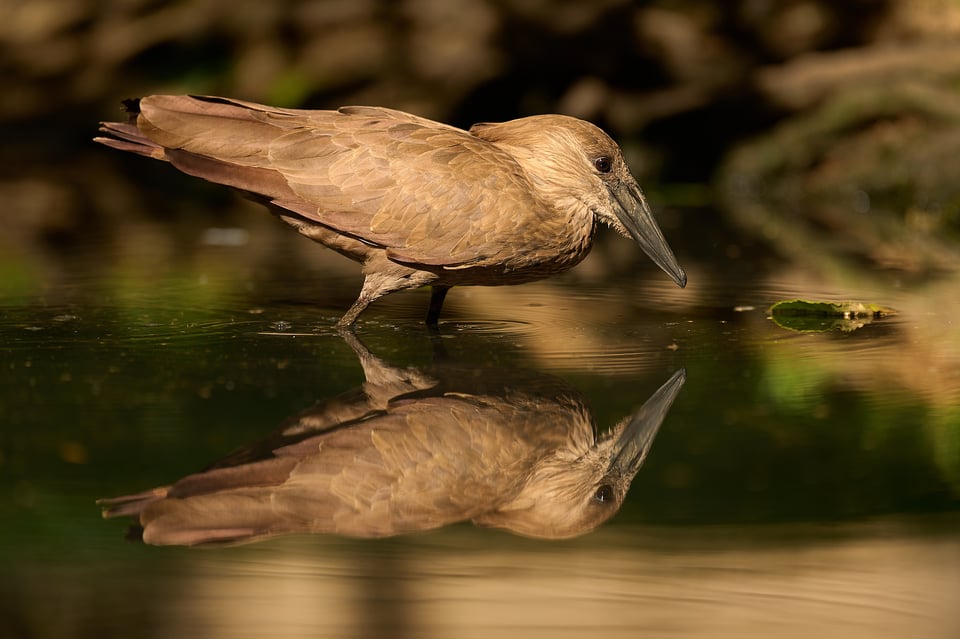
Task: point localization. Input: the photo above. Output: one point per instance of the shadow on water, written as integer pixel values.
(411, 450)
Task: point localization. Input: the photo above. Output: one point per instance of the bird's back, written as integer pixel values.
(427, 194)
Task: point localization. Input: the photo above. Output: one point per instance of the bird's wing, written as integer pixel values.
(426, 192)
(425, 465)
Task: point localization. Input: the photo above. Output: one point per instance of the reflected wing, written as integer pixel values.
(424, 465)
(426, 192)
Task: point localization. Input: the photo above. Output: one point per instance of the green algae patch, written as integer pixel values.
(804, 316)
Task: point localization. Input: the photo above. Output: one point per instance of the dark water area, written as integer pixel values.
(800, 482)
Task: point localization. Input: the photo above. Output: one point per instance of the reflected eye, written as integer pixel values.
(603, 164)
(604, 493)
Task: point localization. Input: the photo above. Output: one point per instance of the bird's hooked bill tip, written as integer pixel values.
(680, 277)
(669, 265)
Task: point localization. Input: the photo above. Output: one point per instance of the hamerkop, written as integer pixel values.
(414, 201)
(414, 450)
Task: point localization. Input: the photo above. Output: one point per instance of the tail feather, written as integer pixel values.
(127, 137)
(131, 505)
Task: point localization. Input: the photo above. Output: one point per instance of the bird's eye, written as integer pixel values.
(603, 164)
(604, 493)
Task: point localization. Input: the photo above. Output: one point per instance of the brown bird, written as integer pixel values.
(416, 202)
(411, 451)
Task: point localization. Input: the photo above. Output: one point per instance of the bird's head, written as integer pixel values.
(575, 489)
(571, 160)
(565, 496)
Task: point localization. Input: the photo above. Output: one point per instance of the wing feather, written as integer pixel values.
(429, 193)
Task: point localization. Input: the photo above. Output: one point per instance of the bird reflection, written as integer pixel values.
(413, 450)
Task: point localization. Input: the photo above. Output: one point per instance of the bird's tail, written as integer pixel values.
(131, 505)
(125, 136)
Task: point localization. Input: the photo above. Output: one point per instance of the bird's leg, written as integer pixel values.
(375, 286)
(346, 322)
(378, 284)
(437, 295)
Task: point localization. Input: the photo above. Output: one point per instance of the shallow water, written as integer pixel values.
(801, 483)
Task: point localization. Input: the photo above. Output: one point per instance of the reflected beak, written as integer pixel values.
(634, 213)
(636, 438)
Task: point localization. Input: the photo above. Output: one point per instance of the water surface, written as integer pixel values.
(802, 483)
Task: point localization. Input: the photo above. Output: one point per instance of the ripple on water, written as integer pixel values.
(119, 326)
(567, 328)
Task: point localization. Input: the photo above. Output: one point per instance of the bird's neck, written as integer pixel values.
(566, 231)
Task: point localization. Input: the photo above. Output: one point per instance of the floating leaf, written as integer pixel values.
(805, 316)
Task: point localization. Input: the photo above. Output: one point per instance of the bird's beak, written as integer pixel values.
(634, 441)
(634, 213)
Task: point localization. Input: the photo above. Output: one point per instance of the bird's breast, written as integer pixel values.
(534, 250)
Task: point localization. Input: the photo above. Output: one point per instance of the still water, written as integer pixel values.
(793, 484)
